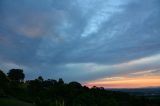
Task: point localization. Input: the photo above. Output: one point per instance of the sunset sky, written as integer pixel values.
(108, 43)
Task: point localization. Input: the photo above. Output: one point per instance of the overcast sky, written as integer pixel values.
(81, 40)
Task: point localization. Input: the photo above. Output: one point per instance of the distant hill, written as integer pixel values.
(148, 91)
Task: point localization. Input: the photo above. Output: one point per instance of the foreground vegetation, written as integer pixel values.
(40, 92)
(13, 102)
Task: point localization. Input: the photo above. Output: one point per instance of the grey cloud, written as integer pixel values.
(49, 33)
(132, 35)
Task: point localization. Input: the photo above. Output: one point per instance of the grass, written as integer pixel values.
(13, 102)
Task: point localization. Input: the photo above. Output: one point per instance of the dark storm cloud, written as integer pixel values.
(52, 34)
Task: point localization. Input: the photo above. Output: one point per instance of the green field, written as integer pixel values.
(13, 102)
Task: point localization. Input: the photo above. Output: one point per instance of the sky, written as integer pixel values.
(108, 43)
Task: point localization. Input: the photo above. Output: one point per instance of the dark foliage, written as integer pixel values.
(3, 78)
(3, 83)
(16, 75)
(57, 93)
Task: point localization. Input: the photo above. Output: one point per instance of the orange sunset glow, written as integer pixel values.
(119, 82)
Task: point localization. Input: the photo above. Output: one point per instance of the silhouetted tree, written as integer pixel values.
(40, 78)
(3, 84)
(49, 83)
(60, 81)
(16, 75)
(35, 86)
(3, 77)
(74, 85)
(3, 80)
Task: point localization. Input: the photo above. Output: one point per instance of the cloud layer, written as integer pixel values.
(78, 40)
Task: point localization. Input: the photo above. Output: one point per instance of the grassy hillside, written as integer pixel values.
(13, 102)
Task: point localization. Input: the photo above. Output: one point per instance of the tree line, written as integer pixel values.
(53, 92)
